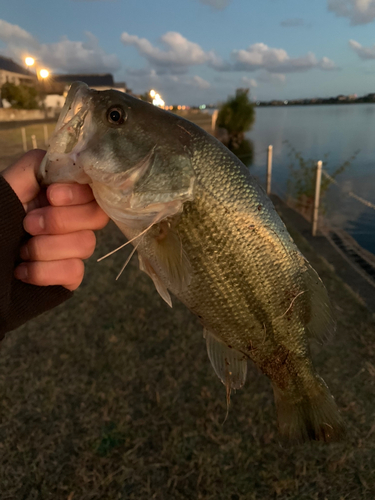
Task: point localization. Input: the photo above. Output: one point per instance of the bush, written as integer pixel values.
(20, 96)
(235, 118)
(237, 115)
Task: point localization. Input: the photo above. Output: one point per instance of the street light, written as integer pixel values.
(29, 61)
(44, 73)
(158, 101)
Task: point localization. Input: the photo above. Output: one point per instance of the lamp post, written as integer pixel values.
(41, 75)
(156, 99)
(40, 72)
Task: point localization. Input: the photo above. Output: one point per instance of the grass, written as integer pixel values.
(11, 146)
(112, 396)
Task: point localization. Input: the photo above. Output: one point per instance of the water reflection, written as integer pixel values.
(316, 131)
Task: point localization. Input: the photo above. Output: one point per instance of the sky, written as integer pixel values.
(200, 51)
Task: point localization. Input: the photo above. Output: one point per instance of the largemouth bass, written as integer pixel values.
(206, 232)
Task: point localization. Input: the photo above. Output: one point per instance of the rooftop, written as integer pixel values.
(93, 80)
(9, 65)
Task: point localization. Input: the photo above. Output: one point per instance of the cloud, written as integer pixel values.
(358, 11)
(145, 77)
(260, 56)
(174, 88)
(65, 55)
(327, 64)
(250, 82)
(72, 56)
(200, 83)
(293, 22)
(273, 78)
(217, 4)
(177, 54)
(93, 1)
(14, 35)
(363, 52)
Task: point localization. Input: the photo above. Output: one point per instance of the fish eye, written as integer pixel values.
(116, 115)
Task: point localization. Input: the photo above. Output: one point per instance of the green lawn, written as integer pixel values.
(112, 396)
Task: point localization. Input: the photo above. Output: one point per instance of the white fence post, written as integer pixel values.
(45, 135)
(24, 142)
(33, 140)
(269, 169)
(317, 197)
(214, 118)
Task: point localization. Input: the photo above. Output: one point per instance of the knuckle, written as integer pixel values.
(37, 274)
(77, 270)
(56, 220)
(35, 248)
(100, 217)
(88, 243)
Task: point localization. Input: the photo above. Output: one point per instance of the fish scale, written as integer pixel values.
(206, 232)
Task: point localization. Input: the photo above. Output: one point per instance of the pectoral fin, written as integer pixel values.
(229, 364)
(145, 266)
(172, 261)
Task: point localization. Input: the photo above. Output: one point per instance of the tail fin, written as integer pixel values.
(313, 417)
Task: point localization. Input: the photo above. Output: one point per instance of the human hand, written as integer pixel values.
(61, 220)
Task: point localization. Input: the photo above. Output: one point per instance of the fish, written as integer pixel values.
(206, 232)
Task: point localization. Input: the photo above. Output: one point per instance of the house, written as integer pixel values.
(59, 84)
(12, 72)
(56, 86)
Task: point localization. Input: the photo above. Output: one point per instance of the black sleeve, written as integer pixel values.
(19, 301)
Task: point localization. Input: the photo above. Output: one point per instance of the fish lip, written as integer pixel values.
(72, 117)
(41, 173)
(68, 139)
(78, 93)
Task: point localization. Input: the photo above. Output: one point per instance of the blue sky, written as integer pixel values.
(200, 51)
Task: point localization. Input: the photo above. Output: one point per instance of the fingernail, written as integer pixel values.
(34, 223)
(21, 272)
(61, 195)
(24, 253)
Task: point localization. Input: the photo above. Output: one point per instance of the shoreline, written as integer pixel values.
(352, 263)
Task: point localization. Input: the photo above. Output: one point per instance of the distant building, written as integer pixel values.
(57, 86)
(12, 72)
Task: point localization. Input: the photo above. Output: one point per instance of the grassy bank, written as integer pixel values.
(112, 396)
(11, 146)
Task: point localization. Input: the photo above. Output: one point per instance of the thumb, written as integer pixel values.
(21, 176)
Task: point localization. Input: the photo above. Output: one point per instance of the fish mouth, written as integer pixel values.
(72, 133)
(78, 96)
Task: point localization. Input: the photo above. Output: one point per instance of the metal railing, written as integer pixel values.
(318, 177)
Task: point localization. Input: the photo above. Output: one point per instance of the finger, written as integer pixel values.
(69, 194)
(38, 202)
(21, 176)
(80, 245)
(68, 273)
(62, 220)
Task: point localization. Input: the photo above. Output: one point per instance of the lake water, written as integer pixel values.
(339, 130)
